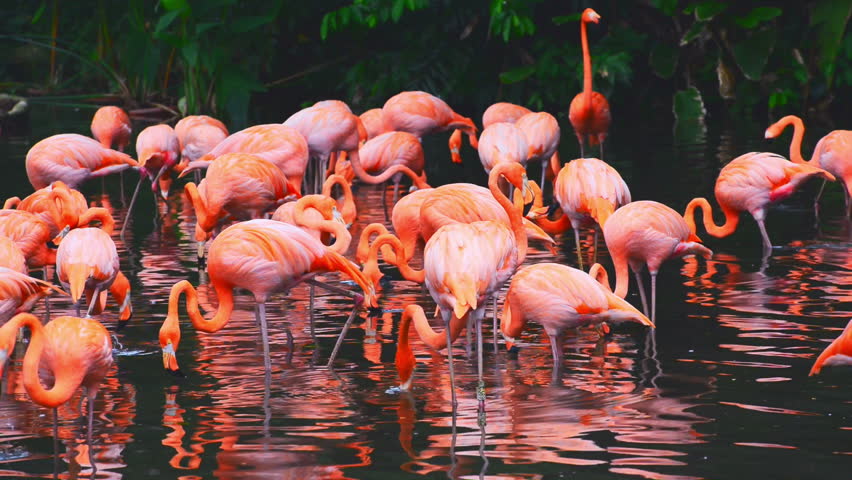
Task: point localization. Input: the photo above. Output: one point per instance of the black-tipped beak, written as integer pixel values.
(176, 373)
(552, 209)
(52, 245)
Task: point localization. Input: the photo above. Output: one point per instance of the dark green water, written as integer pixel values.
(719, 391)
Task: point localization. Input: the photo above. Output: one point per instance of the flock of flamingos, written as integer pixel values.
(475, 238)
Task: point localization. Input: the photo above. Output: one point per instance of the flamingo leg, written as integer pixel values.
(602, 155)
(46, 297)
(332, 288)
(132, 202)
(577, 241)
(468, 330)
(653, 296)
(448, 315)
(91, 413)
(641, 292)
(92, 301)
(77, 307)
(385, 201)
(543, 174)
(154, 184)
(595, 248)
(358, 300)
(260, 313)
(395, 191)
(480, 384)
(121, 185)
(767, 244)
(311, 314)
(197, 174)
(55, 442)
(494, 328)
(558, 352)
(816, 200)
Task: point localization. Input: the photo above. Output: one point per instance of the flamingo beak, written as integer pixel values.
(526, 190)
(58, 239)
(337, 216)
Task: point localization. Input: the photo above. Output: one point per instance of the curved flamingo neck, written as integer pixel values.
(732, 218)
(587, 64)
(418, 276)
(364, 176)
(64, 204)
(205, 219)
(362, 254)
(798, 136)
(220, 319)
(342, 237)
(100, 214)
(516, 221)
(68, 380)
(348, 209)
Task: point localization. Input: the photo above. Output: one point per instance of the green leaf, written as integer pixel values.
(694, 31)
(752, 53)
(324, 26)
(668, 7)
(396, 10)
(166, 20)
(830, 18)
(757, 16)
(175, 5)
(190, 53)
(663, 59)
(517, 75)
(563, 19)
(249, 23)
(707, 10)
(37, 15)
(203, 27)
(688, 105)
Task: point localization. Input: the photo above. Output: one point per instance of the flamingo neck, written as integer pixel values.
(587, 65)
(224, 294)
(64, 206)
(418, 276)
(100, 214)
(364, 176)
(798, 136)
(348, 209)
(205, 219)
(342, 237)
(516, 221)
(732, 218)
(362, 254)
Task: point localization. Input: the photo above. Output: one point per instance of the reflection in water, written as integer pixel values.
(720, 386)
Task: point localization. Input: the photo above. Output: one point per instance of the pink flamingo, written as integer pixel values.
(542, 132)
(574, 299)
(420, 114)
(111, 126)
(19, 292)
(750, 183)
(503, 112)
(56, 204)
(838, 353)
(198, 135)
(388, 153)
(158, 150)
(284, 146)
(263, 257)
(373, 123)
(833, 154)
(647, 233)
(502, 142)
(589, 111)
(73, 159)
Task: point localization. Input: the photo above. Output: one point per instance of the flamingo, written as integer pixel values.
(87, 262)
(19, 292)
(111, 126)
(11, 256)
(420, 114)
(503, 112)
(543, 134)
(838, 353)
(198, 135)
(327, 129)
(73, 159)
(158, 150)
(574, 299)
(589, 111)
(405, 218)
(346, 205)
(750, 183)
(312, 213)
(833, 154)
(31, 234)
(647, 233)
(76, 351)
(56, 204)
(588, 191)
(502, 142)
(373, 123)
(283, 146)
(389, 152)
(238, 184)
(263, 257)
(465, 263)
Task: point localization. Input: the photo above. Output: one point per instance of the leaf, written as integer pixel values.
(517, 75)
(396, 10)
(38, 13)
(757, 16)
(688, 105)
(694, 31)
(249, 23)
(563, 19)
(190, 53)
(707, 10)
(203, 27)
(324, 26)
(830, 18)
(668, 7)
(175, 5)
(752, 53)
(166, 20)
(663, 59)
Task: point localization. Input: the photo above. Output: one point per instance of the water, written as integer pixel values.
(719, 391)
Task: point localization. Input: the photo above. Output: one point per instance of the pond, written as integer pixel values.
(719, 390)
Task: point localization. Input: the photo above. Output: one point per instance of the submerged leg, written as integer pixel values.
(816, 200)
(89, 435)
(494, 328)
(544, 163)
(448, 315)
(92, 301)
(642, 292)
(653, 296)
(480, 384)
(767, 245)
(577, 241)
(132, 202)
(260, 313)
(358, 301)
(595, 247)
(395, 191)
(558, 352)
(385, 201)
(311, 314)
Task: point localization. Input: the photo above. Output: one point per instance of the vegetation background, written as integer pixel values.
(260, 60)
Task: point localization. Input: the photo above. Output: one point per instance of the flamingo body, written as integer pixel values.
(198, 135)
(502, 142)
(56, 204)
(158, 149)
(373, 123)
(31, 234)
(19, 292)
(73, 159)
(589, 111)
(503, 112)
(589, 191)
(111, 126)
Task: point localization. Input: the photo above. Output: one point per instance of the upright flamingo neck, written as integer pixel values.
(732, 218)
(68, 380)
(587, 65)
(516, 221)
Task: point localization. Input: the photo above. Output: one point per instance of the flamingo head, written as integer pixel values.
(778, 127)
(169, 341)
(590, 16)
